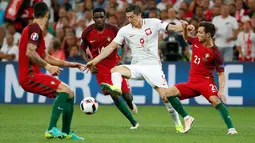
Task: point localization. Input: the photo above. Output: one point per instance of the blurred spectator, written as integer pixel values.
(226, 32)
(208, 13)
(2, 35)
(100, 3)
(188, 14)
(253, 21)
(74, 54)
(71, 18)
(232, 10)
(154, 13)
(81, 25)
(56, 50)
(199, 13)
(11, 30)
(162, 5)
(216, 10)
(66, 5)
(10, 51)
(240, 11)
(218, 3)
(60, 34)
(47, 37)
(81, 10)
(88, 18)
(164, 15)
(246, 41)
(62, 14)
(113, 20)
(172, 17)
(88, 5)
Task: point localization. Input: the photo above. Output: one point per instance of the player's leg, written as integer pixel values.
(183, 91)
(105, 77)
(120, 104)
(209, 91)
(127, 96)
(116, 77)
(65, 100)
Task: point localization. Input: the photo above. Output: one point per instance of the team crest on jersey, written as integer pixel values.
(108, 39)
(148, 31)
(34, 36)
(207, 55)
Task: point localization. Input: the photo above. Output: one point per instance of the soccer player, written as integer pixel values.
(205, 58)
(142, 37)
(96, 37)
(32, 56)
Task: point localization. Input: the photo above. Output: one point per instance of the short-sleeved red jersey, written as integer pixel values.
(30, 34)
(96, 40)
(204, 60)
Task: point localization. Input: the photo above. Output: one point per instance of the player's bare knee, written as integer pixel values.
(115, 69)
(214, 100)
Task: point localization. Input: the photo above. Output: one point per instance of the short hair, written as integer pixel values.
(99, 10)
(40, 9)
(208, 28)
(134, 8)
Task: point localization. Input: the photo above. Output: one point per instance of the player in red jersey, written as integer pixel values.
(96, 37)
(32, 56)
(205, 58)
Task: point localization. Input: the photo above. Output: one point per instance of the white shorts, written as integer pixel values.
(153, 74)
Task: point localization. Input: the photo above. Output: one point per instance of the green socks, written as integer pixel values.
(224, 114)
(175, 102)
(59, 105)
(67, 116)
(124, 110)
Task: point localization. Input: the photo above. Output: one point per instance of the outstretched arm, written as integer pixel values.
(105, 52)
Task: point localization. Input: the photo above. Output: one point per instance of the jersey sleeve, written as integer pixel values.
(219, 64)
(120, 36)
(84, 42)
(35, 34)
(162, 25)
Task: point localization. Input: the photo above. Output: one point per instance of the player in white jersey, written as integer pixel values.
(142, 37)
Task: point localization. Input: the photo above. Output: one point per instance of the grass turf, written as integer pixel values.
(27, 124)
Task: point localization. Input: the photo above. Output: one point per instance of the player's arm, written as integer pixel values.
(123, 53)
(34, 57)
(54, 61)
(221, 78)
(106, 52)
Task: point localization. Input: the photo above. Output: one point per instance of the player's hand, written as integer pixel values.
(229, 39)
(89, 65)
(221, 95)
(93, 69)
(80, 66)
(190, 27)
(184, 23)
(54, 70)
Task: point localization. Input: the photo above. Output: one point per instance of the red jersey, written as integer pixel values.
(204, 60)
(30, 34)
(96, 40)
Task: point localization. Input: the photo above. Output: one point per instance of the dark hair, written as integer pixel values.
(40, 9)
(134, 8)
(208, 27)
(99, 10)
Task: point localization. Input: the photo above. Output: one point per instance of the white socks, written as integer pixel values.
(116, 79)
(173, 114)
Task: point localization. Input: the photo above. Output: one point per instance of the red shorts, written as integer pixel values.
(193, 89)
(41, 84)
(106, 78)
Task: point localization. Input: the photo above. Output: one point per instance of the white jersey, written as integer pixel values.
(143, 42)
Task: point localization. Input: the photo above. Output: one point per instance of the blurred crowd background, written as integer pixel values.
(234, 21)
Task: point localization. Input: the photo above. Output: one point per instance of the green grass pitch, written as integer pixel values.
(27, 124)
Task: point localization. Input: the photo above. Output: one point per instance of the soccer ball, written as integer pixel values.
(89, 105)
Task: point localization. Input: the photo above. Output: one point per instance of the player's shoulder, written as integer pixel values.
(126, 28)
(152, 20)
(216, 49)
(86, 31)
(110, 26)
(34, 27)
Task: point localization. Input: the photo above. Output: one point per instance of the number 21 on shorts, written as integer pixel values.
(213, 87)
